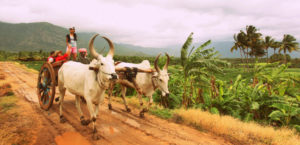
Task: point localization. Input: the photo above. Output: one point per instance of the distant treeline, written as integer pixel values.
(42, 56)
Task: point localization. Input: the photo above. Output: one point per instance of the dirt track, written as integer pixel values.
(114, 127)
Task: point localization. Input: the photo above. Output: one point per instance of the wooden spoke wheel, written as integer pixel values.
(46, 86)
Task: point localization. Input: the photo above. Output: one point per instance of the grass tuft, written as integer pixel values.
(7, 103)
(161, 113)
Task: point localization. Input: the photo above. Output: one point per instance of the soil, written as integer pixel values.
(114, 126)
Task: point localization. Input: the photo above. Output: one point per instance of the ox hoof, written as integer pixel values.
(142, 115)
(85, 122)
(96, 137)
(57, 99)
(128, 110)
(109, 107)
(62, 119)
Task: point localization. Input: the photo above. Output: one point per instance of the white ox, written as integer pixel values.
(78, 79)
(147, 82)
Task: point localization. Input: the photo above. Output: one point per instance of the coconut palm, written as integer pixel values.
(251, 39)
(275, 45)
(289, 44)
(268, 42)
(238, 44)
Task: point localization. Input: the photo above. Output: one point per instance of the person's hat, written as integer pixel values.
(57, 52)
(82, 50)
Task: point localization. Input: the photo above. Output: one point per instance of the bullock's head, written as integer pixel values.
(161, 77)
(105, 65)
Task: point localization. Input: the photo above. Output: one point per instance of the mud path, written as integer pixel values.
(114, 126)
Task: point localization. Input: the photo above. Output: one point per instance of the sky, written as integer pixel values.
(160, 23)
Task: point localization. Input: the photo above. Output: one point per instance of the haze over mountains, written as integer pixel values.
(45, 36)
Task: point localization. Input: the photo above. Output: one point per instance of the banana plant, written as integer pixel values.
(284, 112)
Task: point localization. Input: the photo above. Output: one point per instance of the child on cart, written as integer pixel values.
(51, 57)
(60, 57)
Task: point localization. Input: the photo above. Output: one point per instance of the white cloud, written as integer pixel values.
(159, 23)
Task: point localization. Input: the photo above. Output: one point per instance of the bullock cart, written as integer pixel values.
(47, 82)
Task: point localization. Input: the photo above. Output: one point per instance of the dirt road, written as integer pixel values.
(114, 126)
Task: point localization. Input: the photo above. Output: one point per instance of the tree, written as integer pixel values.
(238, 45)
(250, 39)
(289, 44)
(268, 42)
(275, 45)
(198, 65)
(254, 41)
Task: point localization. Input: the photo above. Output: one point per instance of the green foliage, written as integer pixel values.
(280, 57)
(284, 112)
(214, 110)
(162, 113)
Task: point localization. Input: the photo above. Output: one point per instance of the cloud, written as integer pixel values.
(159, 23)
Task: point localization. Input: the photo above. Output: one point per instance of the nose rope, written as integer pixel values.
(153, 84)
(107, 73)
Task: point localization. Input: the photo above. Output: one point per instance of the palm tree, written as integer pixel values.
(289, 44)
(275, 45)
(198, 65)
(238, 45)
(251, 39)
(268, 42)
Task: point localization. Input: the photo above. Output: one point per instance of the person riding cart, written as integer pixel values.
(83, 56)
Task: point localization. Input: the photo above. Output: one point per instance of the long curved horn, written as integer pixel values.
(91, 47)
(111, 47)
(155, 63)
(168, 61)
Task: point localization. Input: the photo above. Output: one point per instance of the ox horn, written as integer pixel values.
(91, 47)
(111, 47)
(93, 51)
(167, 63)
(155, 63)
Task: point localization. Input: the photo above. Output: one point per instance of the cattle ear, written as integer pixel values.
(94, 63)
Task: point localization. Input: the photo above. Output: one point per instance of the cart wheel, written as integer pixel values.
(46, 86)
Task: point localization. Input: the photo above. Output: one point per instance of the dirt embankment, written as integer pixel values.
(114, 126)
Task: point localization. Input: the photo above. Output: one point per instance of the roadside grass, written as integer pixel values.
(7, 98)
(16, 127)
(36, 65)
(7, 103)
(238, 131)
(161, 112)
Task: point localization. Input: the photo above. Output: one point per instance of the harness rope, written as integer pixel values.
(153, 84)
(100, 82)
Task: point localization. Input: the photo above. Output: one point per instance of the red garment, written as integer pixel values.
(60, 58)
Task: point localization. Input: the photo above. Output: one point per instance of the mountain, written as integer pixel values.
(45, 36)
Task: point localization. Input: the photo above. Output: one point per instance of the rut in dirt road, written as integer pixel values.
(114, 126)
